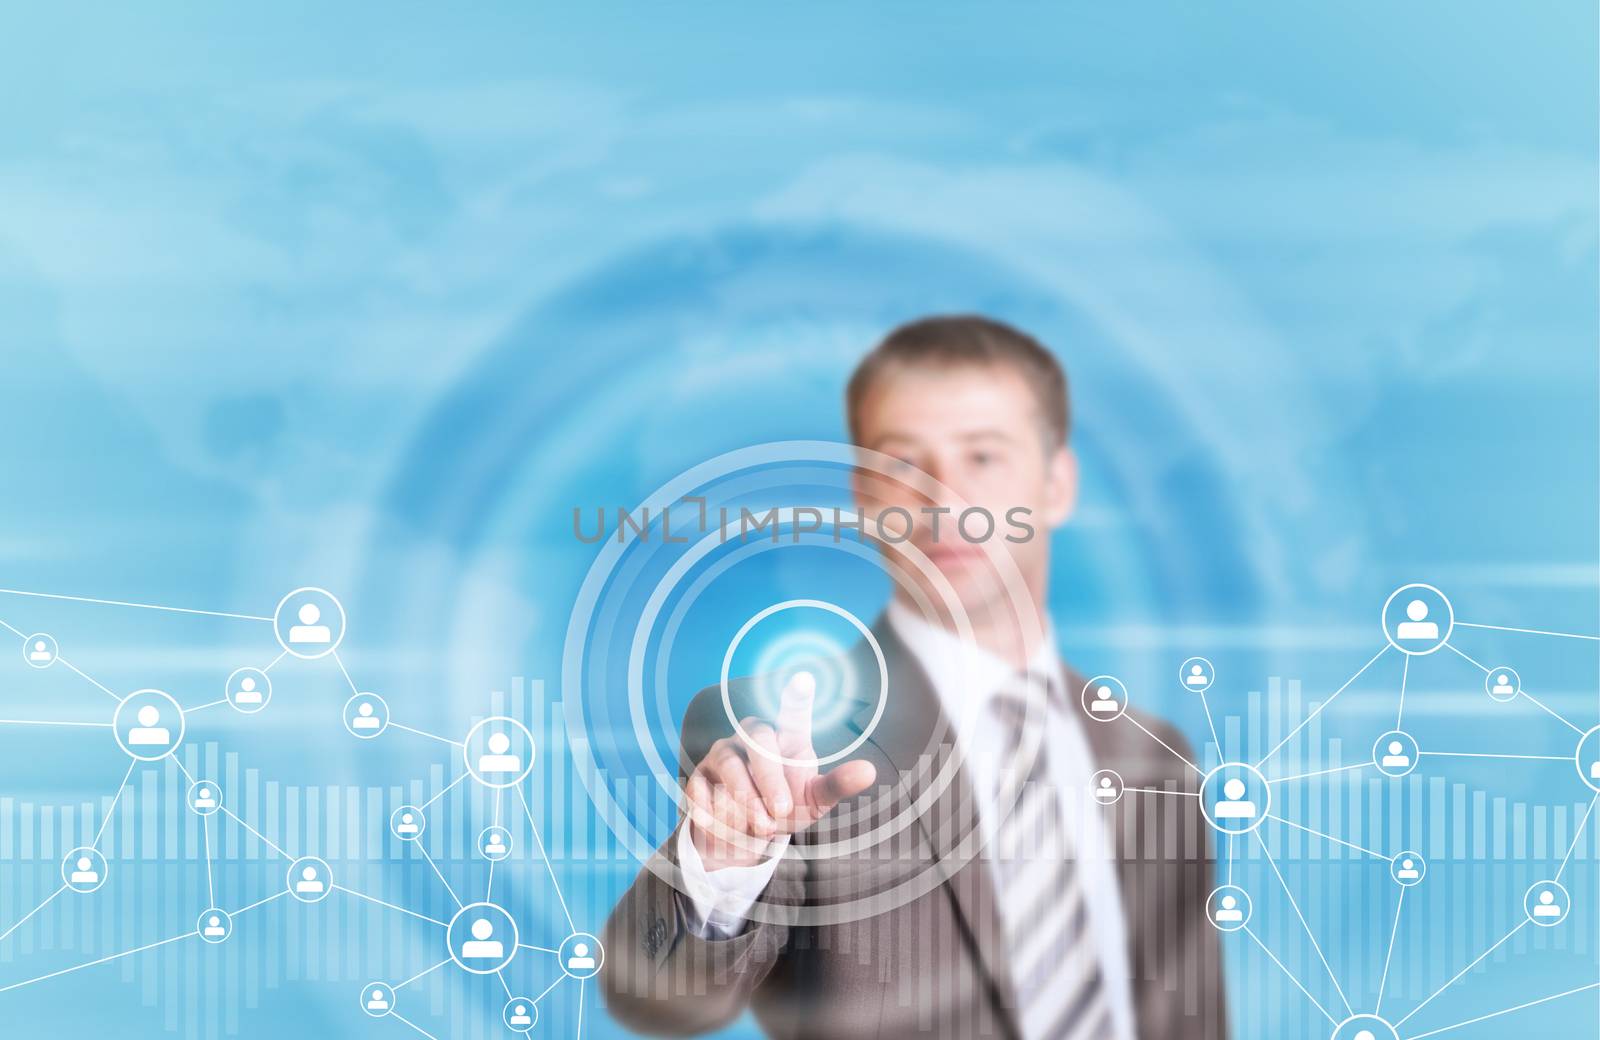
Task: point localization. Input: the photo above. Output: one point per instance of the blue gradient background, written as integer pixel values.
(370, 298)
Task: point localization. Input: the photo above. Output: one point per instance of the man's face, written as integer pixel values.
(976, 430)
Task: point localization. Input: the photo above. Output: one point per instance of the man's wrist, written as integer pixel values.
(746, 852)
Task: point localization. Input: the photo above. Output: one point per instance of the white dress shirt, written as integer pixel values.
(717, 902)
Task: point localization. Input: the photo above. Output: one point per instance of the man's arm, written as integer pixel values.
(1178, 969)
(676, 966)
(716, 902)
(661, 977)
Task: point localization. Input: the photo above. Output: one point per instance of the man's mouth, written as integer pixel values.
(961, 553)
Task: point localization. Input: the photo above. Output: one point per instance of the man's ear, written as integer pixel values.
(1061, 486)
(860, 484)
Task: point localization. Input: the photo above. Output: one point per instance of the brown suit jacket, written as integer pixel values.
(904, 938)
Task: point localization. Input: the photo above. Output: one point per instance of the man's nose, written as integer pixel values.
(944, 491)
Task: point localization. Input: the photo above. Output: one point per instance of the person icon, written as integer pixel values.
(580, 959)
(247, 692)
(1107, 791)
(148, 733)
(41, 652)
(1396, 758)
(203, 799)
(377, 1001)
(1418, 627)
(1365, 1034)
(1196, 676)
(1105, 701)
(309, 882)
(1547, 905)
(495, 845)
(1502, 686)
(1408, 870)
(408, 824)
(519, 1016)
(1594, 770)
(365, 718)
(310, 630)
(1234, 805)
(1228, 911)
(84, 873)
(498, 760)
(482, 945)
(214, 929)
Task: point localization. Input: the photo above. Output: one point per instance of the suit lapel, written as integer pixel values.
(917, 738)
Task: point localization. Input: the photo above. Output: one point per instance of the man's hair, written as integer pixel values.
(966, 340)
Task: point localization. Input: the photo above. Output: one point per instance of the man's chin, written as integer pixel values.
(972, 577)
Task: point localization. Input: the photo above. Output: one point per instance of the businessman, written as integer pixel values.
(1013, 905)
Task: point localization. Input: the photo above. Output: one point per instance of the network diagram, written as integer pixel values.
(1236, 798)
(481, 937)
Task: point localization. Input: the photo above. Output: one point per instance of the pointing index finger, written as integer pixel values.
(794, 714)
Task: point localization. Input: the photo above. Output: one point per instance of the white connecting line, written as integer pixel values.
(1319, 708)
(1521, 693)
(102, 960)
(440, 874)
(1475, 961)
(1304, 924)
(312, 626)
(1441, 641)
(534, 827)
(391, 906)
(25, 917)
(125, 603)
(1399, 905)
(538, 839)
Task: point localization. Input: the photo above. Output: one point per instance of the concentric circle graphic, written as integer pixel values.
(883, 682)
(636, 609)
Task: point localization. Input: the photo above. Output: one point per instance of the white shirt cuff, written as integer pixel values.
(718, 901)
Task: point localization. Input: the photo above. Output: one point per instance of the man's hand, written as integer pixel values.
(739, 799)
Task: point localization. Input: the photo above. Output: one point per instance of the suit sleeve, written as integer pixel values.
(1183, 950)
(660, 977)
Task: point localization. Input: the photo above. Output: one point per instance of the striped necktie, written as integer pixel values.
(1055, 966)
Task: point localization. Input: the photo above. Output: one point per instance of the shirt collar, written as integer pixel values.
(959, 670)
